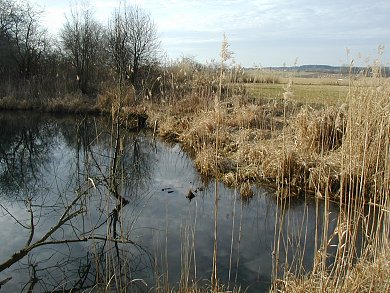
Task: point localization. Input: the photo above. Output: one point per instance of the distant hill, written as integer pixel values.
(318, 68)
(321, 68)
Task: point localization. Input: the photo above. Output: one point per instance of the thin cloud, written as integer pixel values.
(253, 25)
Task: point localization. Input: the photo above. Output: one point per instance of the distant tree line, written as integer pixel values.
(84, 57)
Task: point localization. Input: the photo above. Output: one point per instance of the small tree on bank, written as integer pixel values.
(81, 39)
(133, 41)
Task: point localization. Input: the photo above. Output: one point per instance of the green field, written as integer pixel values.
(305, 93)
(307, 87)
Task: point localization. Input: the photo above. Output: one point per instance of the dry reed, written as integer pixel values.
(339, 153)
(354, 168)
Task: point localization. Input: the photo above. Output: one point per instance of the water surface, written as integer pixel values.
(45, 161)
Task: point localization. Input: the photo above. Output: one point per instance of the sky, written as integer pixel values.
(260, 33)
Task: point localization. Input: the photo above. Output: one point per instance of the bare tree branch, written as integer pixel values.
(66, 216)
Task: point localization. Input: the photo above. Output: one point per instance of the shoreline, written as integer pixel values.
(335, 153)
(279, 143)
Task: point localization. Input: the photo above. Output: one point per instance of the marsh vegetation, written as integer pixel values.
(313, 147)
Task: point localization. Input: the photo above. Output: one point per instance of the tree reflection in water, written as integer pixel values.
(25, 143)
(72, 233)
(82, 209)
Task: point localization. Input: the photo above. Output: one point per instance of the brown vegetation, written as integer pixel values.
(366, 276)
(282, 143)
(339, 152)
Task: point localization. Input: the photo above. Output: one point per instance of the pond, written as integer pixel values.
(102, 207)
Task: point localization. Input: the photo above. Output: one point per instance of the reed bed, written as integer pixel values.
(365, 276)
(352, 167)
(265, 141)
(334, 153)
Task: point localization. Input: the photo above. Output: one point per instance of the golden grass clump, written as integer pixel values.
(202, 133)
(230, 179)
(209, 164)
(187, 105)
(112, 98)
(249, 116)
(368, 275)
(255, 136)
(268, 161)
(253, 161)
(366, 146)
(246, 190)
(324, 173)
(169, 128)
(320, 131)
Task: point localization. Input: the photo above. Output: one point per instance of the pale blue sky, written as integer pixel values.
(262, 32)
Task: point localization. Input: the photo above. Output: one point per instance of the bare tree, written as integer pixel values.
(81, 40)
(133, 41)
(22, 32)
(7, 8)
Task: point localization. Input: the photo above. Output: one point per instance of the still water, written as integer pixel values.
(127, 224)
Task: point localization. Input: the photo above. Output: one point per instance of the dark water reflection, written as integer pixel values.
(44, 159)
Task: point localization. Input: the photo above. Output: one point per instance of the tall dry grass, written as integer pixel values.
(351, 151)
(333, 153)
(336, 154)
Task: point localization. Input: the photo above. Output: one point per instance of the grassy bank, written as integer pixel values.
(285, 142)
(70, 103)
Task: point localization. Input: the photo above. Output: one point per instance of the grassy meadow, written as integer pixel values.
(323, 94)
(309, 87)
